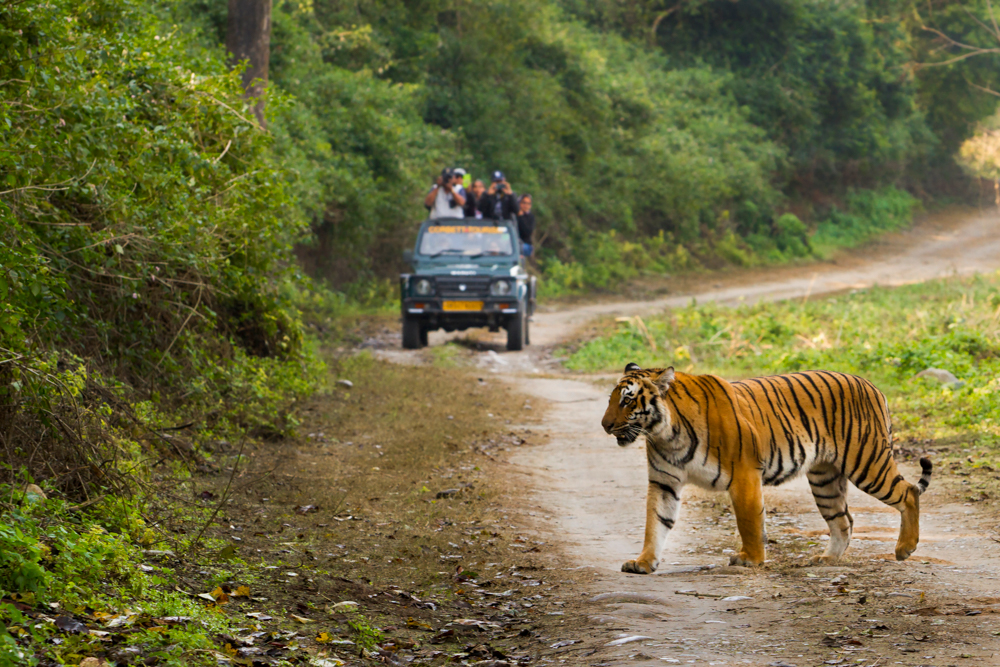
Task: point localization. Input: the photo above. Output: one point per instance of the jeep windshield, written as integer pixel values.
(468, 241)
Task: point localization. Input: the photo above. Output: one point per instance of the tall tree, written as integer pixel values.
(248, 37)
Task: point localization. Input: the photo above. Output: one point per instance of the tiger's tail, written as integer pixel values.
(925, 479)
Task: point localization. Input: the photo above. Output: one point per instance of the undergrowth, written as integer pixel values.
(147, 311)
(85, 569)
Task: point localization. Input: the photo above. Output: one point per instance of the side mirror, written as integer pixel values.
(408, 256)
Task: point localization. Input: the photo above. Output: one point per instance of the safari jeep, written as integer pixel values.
(467, 273)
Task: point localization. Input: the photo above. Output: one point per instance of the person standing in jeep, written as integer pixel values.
(473, 195)
(446, 198)
(525, 225)
(498, 203)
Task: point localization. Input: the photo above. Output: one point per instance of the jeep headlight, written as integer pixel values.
(423, 287)
(500, 288)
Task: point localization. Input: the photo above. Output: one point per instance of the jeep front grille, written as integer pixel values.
(459, 286)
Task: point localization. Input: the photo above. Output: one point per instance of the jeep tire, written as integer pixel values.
(517, 331)
(411, 333)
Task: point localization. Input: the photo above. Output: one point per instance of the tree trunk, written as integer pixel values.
(248, 37)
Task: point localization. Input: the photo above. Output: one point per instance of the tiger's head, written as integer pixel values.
(636, 405)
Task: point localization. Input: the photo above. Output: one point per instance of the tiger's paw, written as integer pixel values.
(639, 566)
(742, 559)
(823, 560)
(903, 552)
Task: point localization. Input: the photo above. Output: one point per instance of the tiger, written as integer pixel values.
(741, 436)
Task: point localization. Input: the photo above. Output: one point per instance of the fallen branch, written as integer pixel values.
(698, 595)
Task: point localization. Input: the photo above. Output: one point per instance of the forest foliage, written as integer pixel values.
(145, 243)
(148, 223)
(701, 123)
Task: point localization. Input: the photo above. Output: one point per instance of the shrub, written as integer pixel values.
(145, 234)
(866, 214)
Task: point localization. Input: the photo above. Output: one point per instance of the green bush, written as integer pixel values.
(866, 213)
(87, 563)
(146, 226)
(605, 260)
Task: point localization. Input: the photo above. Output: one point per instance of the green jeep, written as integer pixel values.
(467, 273)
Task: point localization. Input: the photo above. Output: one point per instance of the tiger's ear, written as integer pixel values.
(664, 380)
(632, 366)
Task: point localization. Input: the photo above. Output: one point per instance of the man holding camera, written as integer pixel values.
(499, 202)
(446, 197)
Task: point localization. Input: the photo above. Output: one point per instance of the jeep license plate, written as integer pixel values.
(462, 305)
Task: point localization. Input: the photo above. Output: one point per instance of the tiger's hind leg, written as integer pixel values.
(829, 489)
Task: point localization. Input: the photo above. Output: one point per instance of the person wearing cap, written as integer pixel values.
(498, 202)
(472, 198)
(460, 183)
(445, 199)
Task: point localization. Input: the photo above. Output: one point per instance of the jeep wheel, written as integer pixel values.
(423, 336)
(411, 333)
(516, 332)
(527, 330)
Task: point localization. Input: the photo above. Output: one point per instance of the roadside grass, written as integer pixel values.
(866, 214)
(347, 316)
(75, 584)
(884, 335)
(447, 355)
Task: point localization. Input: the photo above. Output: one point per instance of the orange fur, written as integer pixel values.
(739, 436)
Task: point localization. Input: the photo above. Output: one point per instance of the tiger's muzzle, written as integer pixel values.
(625, 435)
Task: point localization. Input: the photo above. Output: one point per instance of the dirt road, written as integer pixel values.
(934, 609)
(588, 497)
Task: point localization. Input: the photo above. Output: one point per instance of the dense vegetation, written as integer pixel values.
(653, 138)
(146, 227)
(146, 274)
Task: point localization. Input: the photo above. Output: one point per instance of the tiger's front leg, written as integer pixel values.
(662, 502)
(748, 505)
